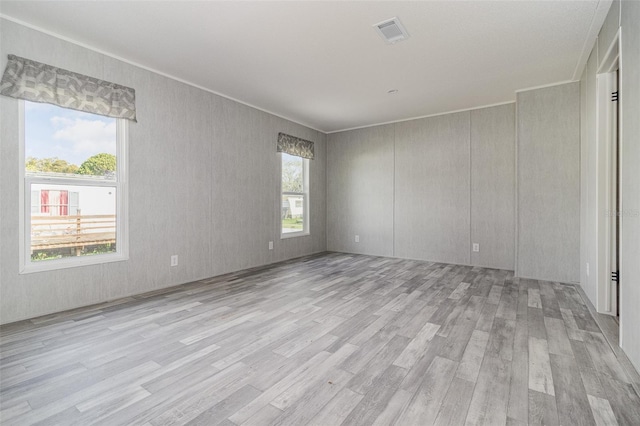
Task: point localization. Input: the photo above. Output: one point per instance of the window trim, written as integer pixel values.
(122, 205)
(306, 231)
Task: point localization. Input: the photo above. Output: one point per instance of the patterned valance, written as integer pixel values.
(295, 146)
(37, 82)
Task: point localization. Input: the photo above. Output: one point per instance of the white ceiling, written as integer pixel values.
(323, 65)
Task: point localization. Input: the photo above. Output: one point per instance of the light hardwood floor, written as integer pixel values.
(325, 340)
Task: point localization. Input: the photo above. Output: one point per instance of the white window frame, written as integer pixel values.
(122, 222)
(305, 197)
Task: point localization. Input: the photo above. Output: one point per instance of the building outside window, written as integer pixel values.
(295, 196)
(74, 180)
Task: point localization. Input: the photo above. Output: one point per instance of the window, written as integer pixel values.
(295, 196)
(74, 181)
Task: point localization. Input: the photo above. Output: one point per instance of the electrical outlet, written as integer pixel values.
(174, 260)
(476, 247)
(270, 245)
(357, 238)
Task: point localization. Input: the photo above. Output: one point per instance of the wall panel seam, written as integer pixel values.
(393, 200)
(516, 224)
(469, 246)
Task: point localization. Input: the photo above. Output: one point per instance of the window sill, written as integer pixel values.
(294, 234)
(71, 262)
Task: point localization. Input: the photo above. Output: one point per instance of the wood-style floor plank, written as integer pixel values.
(336, 410)
(540, 377)
(602, 412)
(427, 401)
(491, 394)
(518, 406)
(571, 398)
(455, 405)
(373, 404)
(543, 410)
(325, 340)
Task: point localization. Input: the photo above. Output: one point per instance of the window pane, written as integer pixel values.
(292, 213)
(292, 173)
(64, 142)
(72, 220)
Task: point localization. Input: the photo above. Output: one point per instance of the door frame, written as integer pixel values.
(608, 170)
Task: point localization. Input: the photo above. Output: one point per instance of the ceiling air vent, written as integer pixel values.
(391, 30)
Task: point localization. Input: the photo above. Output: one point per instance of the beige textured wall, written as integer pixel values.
(548, 226)
(493, 186)
(426, 188)
(360, 191)
(630, 177)
(623, 16)
(588, 169)
(432, 189)
(203, 184)
(609, 29)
